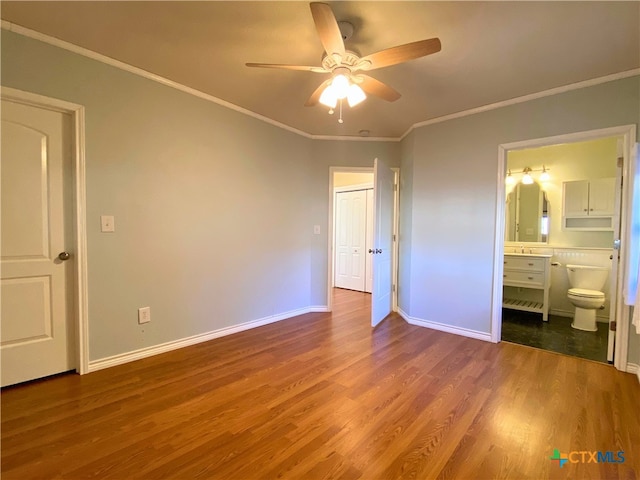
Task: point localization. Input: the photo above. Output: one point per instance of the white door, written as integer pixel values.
(368, 282)
(616, 201)
(350, 240)
(381, 301)
(37, 339)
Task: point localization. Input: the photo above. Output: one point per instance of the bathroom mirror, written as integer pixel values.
(527, 214)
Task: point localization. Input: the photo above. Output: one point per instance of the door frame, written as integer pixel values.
(628, 133)
(78, 313)
(330, 232)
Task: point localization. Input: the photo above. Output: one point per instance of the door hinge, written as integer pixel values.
(620, 162)
(395, 187)
(393, 287)
(394, 238)
(613, 325)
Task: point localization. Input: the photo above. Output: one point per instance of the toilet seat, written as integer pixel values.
(585, 293)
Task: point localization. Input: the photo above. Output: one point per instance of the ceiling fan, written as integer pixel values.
(346, 81)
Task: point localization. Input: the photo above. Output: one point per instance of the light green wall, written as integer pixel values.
(455, 175)
(405, 220)
(206, 235)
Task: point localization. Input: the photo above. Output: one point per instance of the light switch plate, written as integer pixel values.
(144, 315)
(316, 229)
(107, 223)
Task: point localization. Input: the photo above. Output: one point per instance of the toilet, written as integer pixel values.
(585, 294)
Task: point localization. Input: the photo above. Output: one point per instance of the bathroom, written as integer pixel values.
(544, 220)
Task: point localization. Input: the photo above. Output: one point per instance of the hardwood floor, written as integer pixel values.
(324, 396)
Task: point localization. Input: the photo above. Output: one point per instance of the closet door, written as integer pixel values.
(350, 231)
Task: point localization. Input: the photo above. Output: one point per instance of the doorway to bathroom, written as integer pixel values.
(563, 207)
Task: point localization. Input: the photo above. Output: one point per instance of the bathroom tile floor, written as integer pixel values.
(555, 335)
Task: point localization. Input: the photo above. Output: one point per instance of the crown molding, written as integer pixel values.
(12, 27)
(526, 98)
(56, 42)
(355, 139)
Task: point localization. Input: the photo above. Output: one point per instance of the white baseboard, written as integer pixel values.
(121, 358)
(465, 332)
(633, 368)
(318, 308)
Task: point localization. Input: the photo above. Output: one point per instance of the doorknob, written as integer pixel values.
(370, 251)
(64, 256)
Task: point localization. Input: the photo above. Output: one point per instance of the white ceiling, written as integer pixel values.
(491, 51)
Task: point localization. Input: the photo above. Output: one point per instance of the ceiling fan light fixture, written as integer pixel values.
(329, 97)
(343, 63)
(355, 95)
(340, 84)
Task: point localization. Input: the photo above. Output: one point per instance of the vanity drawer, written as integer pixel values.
(524, 263)
(513, 277)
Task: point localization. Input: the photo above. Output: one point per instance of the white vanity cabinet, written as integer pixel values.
(531, 271)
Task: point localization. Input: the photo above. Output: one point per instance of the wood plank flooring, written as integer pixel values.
(323, 396)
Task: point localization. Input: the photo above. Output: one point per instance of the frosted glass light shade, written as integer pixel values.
(355, 95)
(340, 85)
(509, 180)
(527, 179)
(329, 97)
(544, 176)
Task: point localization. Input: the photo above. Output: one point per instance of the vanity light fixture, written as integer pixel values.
(509, 180)
(544, 176)
(527, 179)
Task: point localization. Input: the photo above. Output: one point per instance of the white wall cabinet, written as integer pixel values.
(588, 204)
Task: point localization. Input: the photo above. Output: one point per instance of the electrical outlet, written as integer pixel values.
(144, 315)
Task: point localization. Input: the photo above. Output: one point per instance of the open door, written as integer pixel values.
(381, 299)
(615, 257)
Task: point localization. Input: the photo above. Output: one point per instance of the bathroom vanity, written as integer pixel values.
(531, 271)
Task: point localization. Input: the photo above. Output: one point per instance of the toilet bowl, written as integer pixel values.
(585, 294)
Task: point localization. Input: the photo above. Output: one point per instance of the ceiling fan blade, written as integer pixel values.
(315, 96)
(327, 27)
(375, 87)
(288, 67)
(401, 53)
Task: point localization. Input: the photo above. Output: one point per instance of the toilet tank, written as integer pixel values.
(587, 276)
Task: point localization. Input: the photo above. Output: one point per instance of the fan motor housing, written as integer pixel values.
(350, 59)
